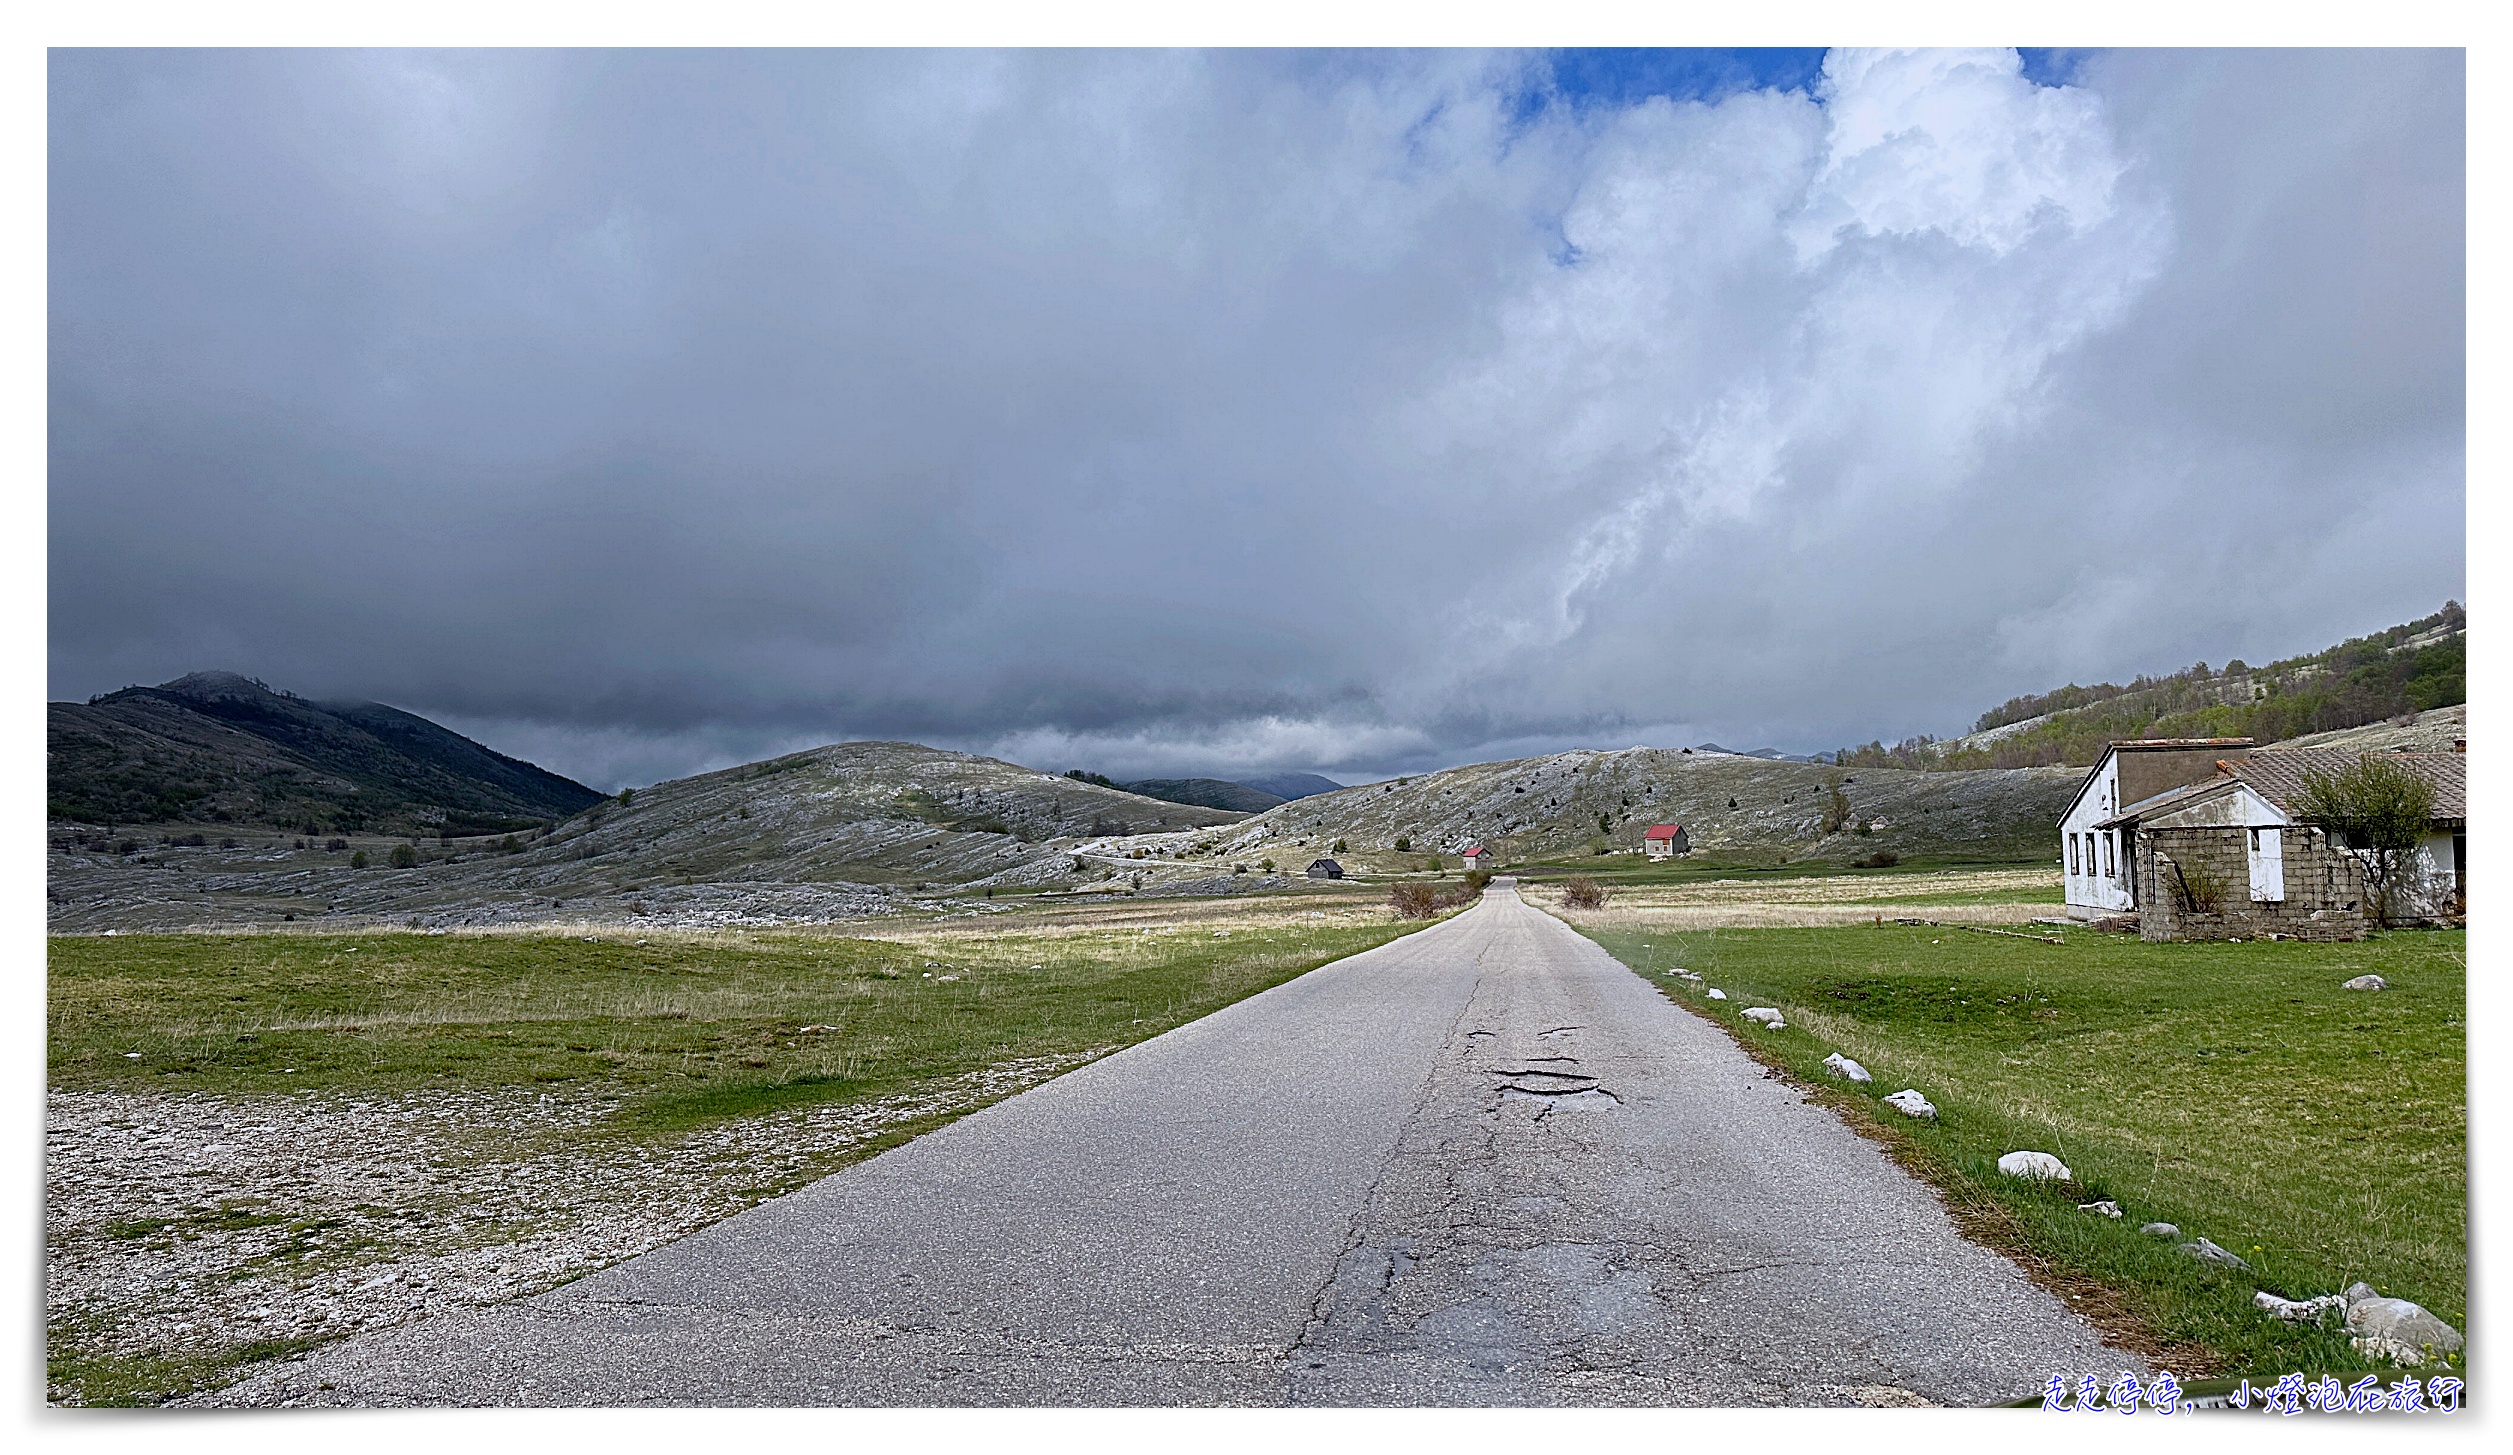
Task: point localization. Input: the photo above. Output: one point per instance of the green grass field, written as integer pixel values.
(1636, 872)
(682, 1027)
(2232, 1089)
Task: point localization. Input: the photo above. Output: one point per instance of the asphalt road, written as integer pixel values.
(1484, 1164)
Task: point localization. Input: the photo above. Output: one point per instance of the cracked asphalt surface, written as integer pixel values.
(1483, 1164)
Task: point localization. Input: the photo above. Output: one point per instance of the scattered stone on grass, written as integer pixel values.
(2039, 1166)
(2207, 1252)
(2104, 1207)
(1843, 1066)
(1718, 994)
(2365, 982)
(2160, 1230)
(1768, 1015)
(1912, 1104)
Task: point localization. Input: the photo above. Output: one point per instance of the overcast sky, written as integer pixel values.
(648, 412)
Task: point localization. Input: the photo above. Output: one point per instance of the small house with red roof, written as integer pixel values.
(1666, 840)
(1477, 857)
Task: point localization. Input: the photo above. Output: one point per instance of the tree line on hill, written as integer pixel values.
(2362, 680)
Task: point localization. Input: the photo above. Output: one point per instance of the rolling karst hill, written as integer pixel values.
(1568, 805)
(855, 828)
(215, 747)
(863, 828)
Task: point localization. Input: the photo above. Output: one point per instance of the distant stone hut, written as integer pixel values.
(1666, 840)
(1477, 857)
(1325, 869)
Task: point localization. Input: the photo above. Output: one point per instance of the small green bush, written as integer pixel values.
(358, 860)
(405, 857)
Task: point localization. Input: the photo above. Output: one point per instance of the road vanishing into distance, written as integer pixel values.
(1482, 1164)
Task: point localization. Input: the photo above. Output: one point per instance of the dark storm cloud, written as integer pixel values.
(649, 411)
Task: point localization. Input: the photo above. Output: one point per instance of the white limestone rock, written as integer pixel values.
(1912, 1104)
(2400, 1331)
(2038, 1166)
(2160, 1230)
(2365, 982)
(1843, 1066)
(2102, 1207)
(1768, 1015)
(1717, 994)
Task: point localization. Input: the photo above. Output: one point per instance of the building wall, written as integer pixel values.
(2325, 888)
(2431, 891)
(2092, 895)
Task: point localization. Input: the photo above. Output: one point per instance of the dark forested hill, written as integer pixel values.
(2408, 668)
(214, 747)
(1288, 786)
(1206, 793)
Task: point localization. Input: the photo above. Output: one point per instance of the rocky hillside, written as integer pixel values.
(856, 828)
(1569, 805)
(217, 748)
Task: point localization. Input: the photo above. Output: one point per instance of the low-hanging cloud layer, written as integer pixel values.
(1175, 412)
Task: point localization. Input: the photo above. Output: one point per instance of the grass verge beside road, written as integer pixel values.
(682, 1026)
(2231, 1089)
(261, 1142)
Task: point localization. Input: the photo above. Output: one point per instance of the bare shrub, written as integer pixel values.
(1583, 893)
(2197, 888)
(1414, 901)
(1881, 859)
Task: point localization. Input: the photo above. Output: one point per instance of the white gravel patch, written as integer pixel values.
(190, 1227)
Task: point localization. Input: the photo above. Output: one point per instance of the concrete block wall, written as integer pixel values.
(2325, 888)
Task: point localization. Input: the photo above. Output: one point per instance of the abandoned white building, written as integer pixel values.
(1666, 840)
(1477, 857)
(2197, 838)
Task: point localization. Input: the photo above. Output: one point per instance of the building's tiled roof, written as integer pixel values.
(2278, 774)
(1663, 831)
(1473, 849)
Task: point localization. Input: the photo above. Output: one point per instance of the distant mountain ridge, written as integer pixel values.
(218, 747)
(1291, 786)
(1206, 793)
